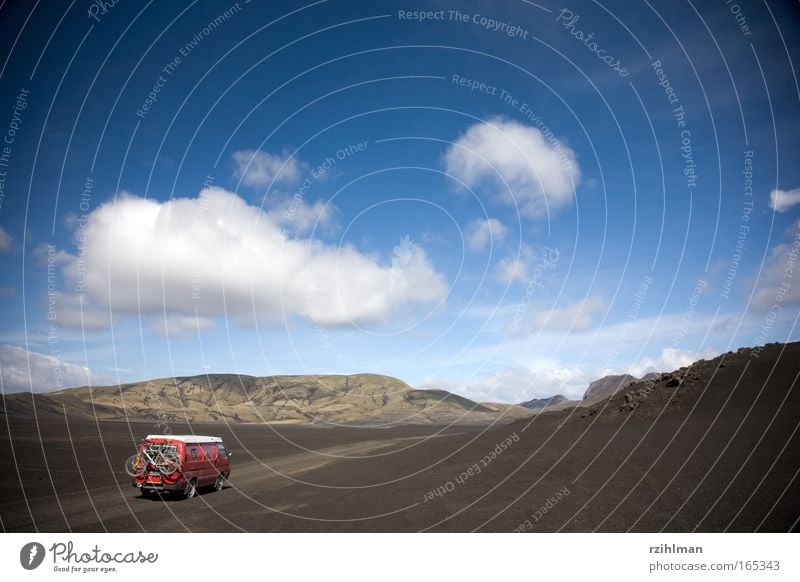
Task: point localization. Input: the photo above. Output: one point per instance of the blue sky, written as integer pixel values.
(506, 202)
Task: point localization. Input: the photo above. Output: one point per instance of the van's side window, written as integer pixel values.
(210, 451)
(193, 452)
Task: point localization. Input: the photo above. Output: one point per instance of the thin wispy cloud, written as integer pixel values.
(774, 286)
(784, 200)
(5, 240)
(578, 316)
(32, 371)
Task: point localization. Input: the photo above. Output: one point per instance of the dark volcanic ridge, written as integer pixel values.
(557, 402)
(734, 381)
(609, 385)
(632, 390)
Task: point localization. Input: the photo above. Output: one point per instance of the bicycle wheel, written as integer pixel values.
(135, 465)
(168, 463)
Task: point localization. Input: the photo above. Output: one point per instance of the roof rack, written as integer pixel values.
(185, 438)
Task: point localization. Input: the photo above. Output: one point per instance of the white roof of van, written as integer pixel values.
(186, 438)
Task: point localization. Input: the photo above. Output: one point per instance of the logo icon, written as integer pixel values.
(31, 555)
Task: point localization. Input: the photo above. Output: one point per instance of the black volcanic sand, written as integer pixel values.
(718, 452)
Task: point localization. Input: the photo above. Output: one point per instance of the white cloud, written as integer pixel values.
(650, 344)
(180, 325)
(298, 218)
(517, 384)
(483, 231)
(512, 269)
(576, 317)
(540, 172)
(257, 168)
(670, 360)
(74, 311)
(25, 371)
(779, 270)
(617, 345)
(546, 378)
(783, 200)
(674, 358)
(216, 255)
(5, 240)
(515, 268)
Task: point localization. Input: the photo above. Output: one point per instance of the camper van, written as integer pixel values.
(179, 464)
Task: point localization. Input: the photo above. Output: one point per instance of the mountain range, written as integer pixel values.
(334, 399)
(357, 399)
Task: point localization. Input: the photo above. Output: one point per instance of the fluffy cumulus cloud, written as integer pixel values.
(512, 270)
(670, 360)
(483, 232)
(22, 370)
(521, 165)
(783, 200)
(515, 268)
(779, 280)
(5, 240)
(517, 384)
(260, 169)
(298, 217)
(216, 255)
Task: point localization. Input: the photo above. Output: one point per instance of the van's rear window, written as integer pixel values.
(161, 447)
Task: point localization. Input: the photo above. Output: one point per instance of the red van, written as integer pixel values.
(179, 463)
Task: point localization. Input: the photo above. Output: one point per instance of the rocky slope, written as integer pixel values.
(735, 381)
(609, 385)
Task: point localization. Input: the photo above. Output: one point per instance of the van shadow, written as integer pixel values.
(173, 497)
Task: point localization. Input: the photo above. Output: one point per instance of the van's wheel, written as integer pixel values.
(145, 493)
(220, 482)
(191, 489)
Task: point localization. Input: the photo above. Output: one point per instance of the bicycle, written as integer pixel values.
(165, 460)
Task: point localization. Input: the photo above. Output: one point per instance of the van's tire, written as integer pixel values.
(220, 483)
(146, 493)
(191, 489)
